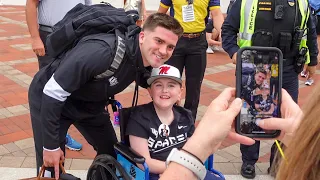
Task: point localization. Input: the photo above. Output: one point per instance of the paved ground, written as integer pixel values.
(18, 65)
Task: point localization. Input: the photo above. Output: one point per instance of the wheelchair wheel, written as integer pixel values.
(105, 167)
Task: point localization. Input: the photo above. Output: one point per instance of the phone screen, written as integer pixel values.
(260, 89)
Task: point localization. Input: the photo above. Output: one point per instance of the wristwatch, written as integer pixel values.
(188, 161)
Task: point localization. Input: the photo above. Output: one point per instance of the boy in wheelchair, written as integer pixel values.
(156, 128)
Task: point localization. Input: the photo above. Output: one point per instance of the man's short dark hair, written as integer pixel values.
(260, 70)
(163, 20)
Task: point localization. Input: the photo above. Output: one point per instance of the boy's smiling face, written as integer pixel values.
(165, 92)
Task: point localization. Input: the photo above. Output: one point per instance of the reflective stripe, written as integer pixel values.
(252, 16)
(245, 36)
(247, 5)
(303, 11)
(242, 17)
(247, 21)
(54, 90)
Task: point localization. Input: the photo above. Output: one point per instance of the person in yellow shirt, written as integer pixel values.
(274, 81)
(190, 52)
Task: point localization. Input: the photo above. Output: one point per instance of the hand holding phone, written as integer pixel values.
(259, 80)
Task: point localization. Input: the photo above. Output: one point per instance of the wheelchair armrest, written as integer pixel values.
(129, 153)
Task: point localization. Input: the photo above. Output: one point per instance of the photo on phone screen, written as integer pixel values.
(260, 89)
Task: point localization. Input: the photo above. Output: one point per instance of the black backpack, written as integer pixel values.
(80, 23)
(83, 20)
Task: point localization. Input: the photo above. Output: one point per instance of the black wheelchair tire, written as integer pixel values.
(108, 163)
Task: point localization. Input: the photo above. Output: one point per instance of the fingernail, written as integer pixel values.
(260, 122)
(238, 102)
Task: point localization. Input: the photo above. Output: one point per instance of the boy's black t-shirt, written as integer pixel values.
(265, 105)
(162, 138)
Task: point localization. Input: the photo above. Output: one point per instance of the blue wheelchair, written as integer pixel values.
(125, 166)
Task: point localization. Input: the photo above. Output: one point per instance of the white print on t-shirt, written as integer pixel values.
(180, 127)
(188, 13)
(155, 132)
(113, 81)
(160, 145)
(164, 130)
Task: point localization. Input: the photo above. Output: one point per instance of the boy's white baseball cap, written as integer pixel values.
(165, 71)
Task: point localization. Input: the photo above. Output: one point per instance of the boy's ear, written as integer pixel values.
(180, 94)
(149, 91)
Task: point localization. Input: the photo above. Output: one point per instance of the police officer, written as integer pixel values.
(74, 94)
(285, 24)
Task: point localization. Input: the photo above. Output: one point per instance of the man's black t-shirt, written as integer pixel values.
(162, 138)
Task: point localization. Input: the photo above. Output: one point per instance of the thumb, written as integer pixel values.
(273, 124)
(234, 108)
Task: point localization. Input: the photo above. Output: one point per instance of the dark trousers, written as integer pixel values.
(190, 53)
(250, 154)
(318, 24)
(46, 59)
(274, 86)
(97, 130)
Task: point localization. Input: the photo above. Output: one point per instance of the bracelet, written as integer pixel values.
(192, 155)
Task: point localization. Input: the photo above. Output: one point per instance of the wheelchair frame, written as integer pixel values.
(126, 154)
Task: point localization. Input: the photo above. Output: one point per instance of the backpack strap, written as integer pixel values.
(118, 57)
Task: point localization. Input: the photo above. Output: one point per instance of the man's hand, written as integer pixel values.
(213, 42)
(311, 69)
(52, 159)
(38, 47)
(234, 58)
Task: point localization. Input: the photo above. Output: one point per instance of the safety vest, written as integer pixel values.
(248, 14)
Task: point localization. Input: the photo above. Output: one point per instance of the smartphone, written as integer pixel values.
(258, 84)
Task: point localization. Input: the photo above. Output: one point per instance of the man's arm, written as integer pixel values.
(217, 18)
(32, 22)
(79, 66)
(312, 41)
(230, 28)
(144, 10)
(216, 15)
(164, 6)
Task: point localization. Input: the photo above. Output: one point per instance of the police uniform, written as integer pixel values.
(271, 23)
(190, 52)
(75, 95)
(145, 123)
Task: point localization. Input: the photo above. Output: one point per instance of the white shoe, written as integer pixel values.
(304, 74)
(209, 50)
(215, 48)
(309, 82)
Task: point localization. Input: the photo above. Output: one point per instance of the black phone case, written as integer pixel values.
(238, 87)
